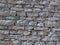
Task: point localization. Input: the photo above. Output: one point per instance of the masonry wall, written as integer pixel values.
(29, 22)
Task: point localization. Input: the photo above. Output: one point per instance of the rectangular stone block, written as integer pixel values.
(28, 10)
(2, 42)
(41, 29)
(16, 27)
(1, 36)
(32, 14)
(28, 27)
(58, 43)
(16, 9)
(12, 13)
(36, 10)
(11, 18)
(20, 2)
(3, 27)
(6, 22)
(4, 13)
(2, 5)
(8, 43)
(12, 1)
(16, 42)
(21, 13)
(51, 43)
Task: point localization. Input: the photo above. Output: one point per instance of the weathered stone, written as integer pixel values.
(34, 33)
(32, 23)
(51, 43)
(40, 24)
(16, 9)
(12, 1)
(28, 10)
(42, 33)
(16, 27)
(6, 22)
(1, 36)
(58, 43)
(29, 22)
(8, 43)
(22, 22)
(11, 18)
(2, 5)
(16, 42)
(6, 32)
(2, 42)
(22, 18)
(20, 2)
(29, 18)
(27, 33)
(38, 28)
(18, 6)
(53, 18)
(32, 14)
(53, 3)
(51, 11)
(4, 13)
(43, 3)
(42, 43)
(21, 13)
(12, 13)
(36, 10)
(29, 28)
(3, 27)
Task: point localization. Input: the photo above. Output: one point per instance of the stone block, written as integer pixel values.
(6, 22)
(1, 36)
(20, 2)
(16, 28)
(16, 42)
(27, 33)
(58, 43)
(8, 43)
(12, 13)
(32, 14)
(12, 1)
(2, 42)
(51, 43)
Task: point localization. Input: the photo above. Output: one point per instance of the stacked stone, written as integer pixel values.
(29, 22)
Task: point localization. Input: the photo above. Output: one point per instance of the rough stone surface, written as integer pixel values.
(29, 22)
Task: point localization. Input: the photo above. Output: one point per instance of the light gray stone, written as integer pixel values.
(32, 14)
(4, 13)
(51, 43)
(2, 43)
(6, 22)
(27, 10)
(53, 3)
(58, 43)
(16, 42)
(16, 9)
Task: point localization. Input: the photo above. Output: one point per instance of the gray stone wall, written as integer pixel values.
(29, 22)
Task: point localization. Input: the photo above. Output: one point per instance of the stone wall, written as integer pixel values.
(29, 22)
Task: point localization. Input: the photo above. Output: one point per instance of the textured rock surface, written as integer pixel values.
(29, 22)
